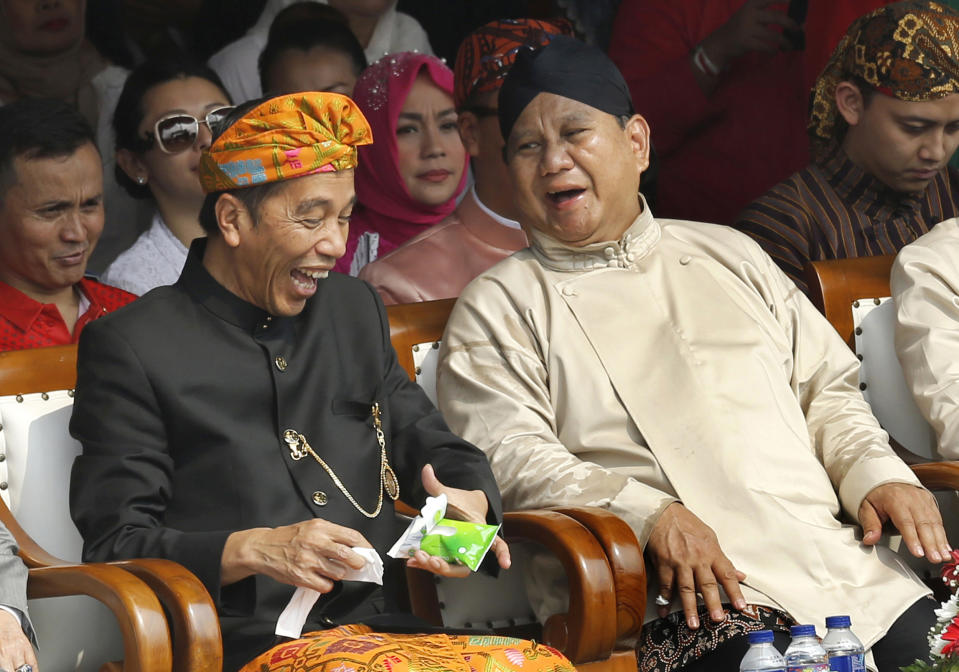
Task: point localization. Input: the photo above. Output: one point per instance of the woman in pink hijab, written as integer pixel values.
(409, 178)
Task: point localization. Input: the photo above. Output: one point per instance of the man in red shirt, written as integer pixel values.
(725, 93)
(51, 215)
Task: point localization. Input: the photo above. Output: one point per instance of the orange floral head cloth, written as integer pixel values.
(285, 137)
(907, 50)
(484, 58)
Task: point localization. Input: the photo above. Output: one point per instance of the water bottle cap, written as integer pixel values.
(761, 637)
(838, 622)
(803, 631)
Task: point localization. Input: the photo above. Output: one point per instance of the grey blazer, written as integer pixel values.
(13, 581)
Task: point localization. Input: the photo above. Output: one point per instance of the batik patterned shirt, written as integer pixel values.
(835, 210)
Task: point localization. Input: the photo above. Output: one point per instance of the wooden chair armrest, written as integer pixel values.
(146, 639)
(197, 643)
(938, 475)
(625, 560)
(588, 631)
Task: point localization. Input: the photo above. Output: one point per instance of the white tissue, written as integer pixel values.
(372, 571)
(409, 542)
(291, 620)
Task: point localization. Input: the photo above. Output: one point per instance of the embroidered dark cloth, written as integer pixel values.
(568, 68)
(835, 210)
(485, 55)
(668, 644)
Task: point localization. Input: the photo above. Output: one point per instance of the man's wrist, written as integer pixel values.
(16, 613)
(704, 63)
(716, 54)
(237, 562)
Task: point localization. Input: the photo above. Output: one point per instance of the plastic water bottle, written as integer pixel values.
(762, 656)
(845, 651)
(805, 653)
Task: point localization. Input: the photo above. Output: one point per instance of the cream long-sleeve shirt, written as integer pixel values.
(925, 287)
(679, 363)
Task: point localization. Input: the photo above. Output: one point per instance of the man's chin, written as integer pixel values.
(914, 182)
(912, 186)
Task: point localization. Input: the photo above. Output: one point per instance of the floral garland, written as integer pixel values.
(944, 635)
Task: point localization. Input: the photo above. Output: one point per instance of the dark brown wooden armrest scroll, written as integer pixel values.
(196, 629)
(197, 643)
(587, 632)
(146, 639)
(938, 475)
(625, 560)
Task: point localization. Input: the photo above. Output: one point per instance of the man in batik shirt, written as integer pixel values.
(884, 124)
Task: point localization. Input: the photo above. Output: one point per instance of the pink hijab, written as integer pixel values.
(384, 205)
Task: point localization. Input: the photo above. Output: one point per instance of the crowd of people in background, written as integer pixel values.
(624, 195)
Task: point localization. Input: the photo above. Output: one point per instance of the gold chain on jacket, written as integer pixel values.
(300, 448)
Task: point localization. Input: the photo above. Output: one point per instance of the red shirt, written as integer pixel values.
(719, 152)
(25, 323)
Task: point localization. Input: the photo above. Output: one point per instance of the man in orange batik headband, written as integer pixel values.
(215, 386)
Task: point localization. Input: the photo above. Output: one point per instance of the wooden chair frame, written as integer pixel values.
(834, 285)
(599, 551)
(133, 589)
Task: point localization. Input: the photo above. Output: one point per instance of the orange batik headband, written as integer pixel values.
(285, 137)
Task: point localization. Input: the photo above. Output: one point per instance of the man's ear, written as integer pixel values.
(469, 133)
(230, 213)
(637, 131)
(131, 164)
(850, 102)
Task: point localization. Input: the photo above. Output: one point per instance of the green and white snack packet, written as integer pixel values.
(455, 541)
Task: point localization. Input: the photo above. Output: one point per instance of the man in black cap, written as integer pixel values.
(670, 372)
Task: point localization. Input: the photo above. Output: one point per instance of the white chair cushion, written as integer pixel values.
(75, 633)
(886, 389)
(426, 357)
(466, 603)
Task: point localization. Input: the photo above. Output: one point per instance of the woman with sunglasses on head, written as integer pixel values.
(409, 178)
(162, 123)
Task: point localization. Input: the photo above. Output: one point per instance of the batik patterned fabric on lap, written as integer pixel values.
(356, 648)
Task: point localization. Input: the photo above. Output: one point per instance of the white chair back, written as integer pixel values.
(426, 357)
(881, 375)
(37, 453)
(885, 388)
(466, 603)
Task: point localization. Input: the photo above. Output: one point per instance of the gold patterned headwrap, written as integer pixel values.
(285, 137)
(907, 50)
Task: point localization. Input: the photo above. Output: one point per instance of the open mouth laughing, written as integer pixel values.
(563, 196)
(305, 279)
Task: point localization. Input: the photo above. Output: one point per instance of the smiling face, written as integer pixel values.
(42, 27)
(282, 251)
(430, 154)
(50, 220)
(173, 177)
(576, 169)
(903, 144)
